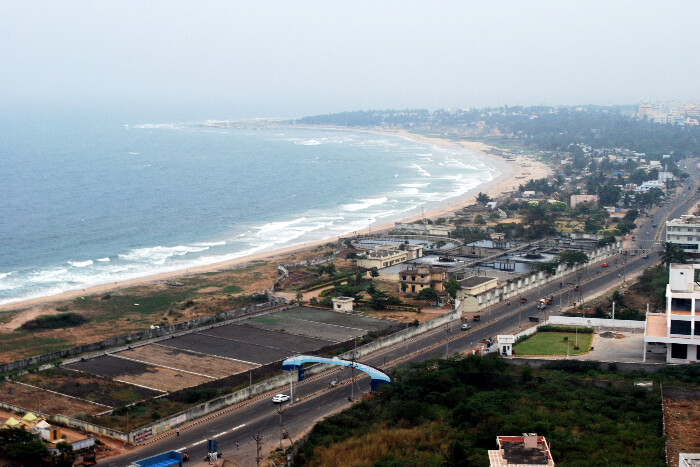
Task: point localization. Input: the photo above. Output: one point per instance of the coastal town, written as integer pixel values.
(578, 265)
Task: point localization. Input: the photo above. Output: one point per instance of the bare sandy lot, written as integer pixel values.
(149, 376)
(46, 402)
(160, 355)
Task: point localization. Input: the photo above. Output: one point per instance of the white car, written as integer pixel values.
(279, 398)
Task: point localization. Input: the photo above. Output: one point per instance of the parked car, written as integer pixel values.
(279, 398)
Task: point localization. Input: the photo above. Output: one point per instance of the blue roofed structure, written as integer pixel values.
(296, 363)
(165, 459)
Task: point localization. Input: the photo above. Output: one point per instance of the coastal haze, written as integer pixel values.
(187, 61)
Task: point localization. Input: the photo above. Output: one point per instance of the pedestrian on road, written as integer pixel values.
(237, 446)
(177, 431)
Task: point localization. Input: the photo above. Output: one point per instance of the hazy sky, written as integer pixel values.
(236, 59)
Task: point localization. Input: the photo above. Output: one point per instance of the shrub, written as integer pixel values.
(549, 328)
(55, 322)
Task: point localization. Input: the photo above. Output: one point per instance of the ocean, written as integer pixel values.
(94, 201)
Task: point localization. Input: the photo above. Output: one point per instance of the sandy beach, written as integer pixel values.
(522, 167)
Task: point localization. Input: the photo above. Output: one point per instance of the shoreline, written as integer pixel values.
(502, 183)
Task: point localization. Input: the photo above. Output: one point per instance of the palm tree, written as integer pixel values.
(673, 253)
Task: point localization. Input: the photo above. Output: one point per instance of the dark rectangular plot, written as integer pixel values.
(280, 340)
(226, 348)
(108, 365)
(340, 319)
(292, 325)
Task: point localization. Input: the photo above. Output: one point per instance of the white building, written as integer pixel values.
(679, 327)
(684, 232)
(425, 229)
(343, 304)
(648, 185)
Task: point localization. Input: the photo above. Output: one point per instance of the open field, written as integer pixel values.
(554, 343)
(274, 339)
(44, 401)
(216, 346)
(141, 374)
(206, 365)
(87, 386)
(338, 319)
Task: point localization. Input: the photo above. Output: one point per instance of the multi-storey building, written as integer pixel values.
(684, 232)
(422, 277)
(679, 327)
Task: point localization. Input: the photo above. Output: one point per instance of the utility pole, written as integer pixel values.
(613, 316)
(258, 440)
(520, 313)
(280, 411)
(447, 341)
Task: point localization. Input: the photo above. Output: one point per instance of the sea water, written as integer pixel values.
(95, 201)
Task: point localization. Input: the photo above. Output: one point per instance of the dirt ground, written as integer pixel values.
(160, 355)
(140, 374)
(87, 386)
(46, 402)
(682, 418)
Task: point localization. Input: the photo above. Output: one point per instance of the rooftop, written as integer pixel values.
(686, 219)
(475, 280)
(656, 325)
(527, 450)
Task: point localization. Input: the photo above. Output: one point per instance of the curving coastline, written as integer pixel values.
(521, 166)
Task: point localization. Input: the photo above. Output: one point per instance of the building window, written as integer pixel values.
(679, 351)
(680, 327)
(680, 304)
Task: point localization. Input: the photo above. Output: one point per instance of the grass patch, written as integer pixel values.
(554, 343)
(266, 320)
(232, 289)
(67, 320)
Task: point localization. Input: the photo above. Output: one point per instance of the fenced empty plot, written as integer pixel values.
(338, 319)
(275, 339)
(207, 365)
(141, 374)
(207, 344)
(31, 398)
(87, 386)
(293, 325)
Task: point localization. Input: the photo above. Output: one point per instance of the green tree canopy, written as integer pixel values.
(452, 287)
(428, 294)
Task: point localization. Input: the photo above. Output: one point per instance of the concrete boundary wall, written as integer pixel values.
(598, 323)
(214, 405)
(533, 281)
(164, 331)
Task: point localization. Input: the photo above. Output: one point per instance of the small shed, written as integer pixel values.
(505, 344)
(48, 432)
(343, 304)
